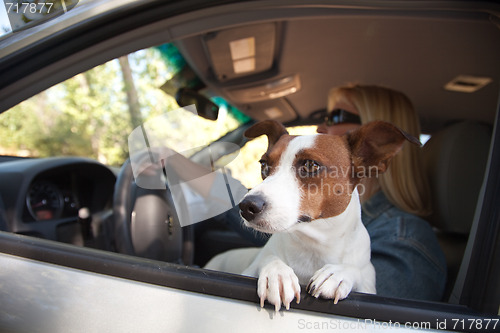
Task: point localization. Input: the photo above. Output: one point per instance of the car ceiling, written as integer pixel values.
(415, 52)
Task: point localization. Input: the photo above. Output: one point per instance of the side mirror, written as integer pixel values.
(205, 107)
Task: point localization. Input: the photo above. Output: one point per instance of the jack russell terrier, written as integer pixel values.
(309, 201)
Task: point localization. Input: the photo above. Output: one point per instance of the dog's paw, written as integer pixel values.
(278, 284)
(331, 282)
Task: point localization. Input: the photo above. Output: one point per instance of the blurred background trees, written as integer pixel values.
(93, 113)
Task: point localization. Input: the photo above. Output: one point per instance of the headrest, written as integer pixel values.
(455, 161)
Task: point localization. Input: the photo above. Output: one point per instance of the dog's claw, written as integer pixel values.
(332, 282)
(337, 297)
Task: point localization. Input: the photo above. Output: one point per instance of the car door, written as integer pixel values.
(51, 286)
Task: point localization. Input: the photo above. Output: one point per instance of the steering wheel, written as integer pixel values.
(146, 223)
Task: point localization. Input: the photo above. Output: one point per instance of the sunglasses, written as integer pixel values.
(341, 116)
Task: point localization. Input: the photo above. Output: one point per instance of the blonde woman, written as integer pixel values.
(408, 260)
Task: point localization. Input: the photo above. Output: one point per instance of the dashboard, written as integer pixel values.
(64, 199)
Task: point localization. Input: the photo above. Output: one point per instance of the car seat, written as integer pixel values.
(455, 161)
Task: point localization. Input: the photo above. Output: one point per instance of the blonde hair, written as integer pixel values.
(404, 183)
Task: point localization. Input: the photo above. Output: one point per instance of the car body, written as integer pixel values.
(54, 278)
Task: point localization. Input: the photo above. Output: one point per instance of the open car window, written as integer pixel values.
(92, 114)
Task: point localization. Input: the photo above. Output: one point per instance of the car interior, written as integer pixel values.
(297, 60)
(280, 64)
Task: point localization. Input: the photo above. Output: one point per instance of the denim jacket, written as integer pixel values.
(405, 252)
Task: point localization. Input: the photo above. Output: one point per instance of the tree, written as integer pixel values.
(134, 107)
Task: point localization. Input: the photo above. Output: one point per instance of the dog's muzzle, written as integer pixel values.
(251, 206)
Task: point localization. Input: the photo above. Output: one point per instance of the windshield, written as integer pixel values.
(93, 113)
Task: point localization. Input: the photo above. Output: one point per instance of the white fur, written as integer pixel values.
(282, 189)
(332, 255)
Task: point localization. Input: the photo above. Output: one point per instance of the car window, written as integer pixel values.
(93, 113)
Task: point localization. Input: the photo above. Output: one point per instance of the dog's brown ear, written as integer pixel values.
(272, 128)
(374, 145)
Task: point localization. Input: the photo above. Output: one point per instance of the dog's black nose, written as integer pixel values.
(251, 206)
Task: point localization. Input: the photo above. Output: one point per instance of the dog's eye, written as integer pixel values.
(309, 168)
(264, 169)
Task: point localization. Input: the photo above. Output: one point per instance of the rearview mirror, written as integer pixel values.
(205, 107)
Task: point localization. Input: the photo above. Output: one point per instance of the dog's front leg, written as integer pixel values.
(334, 281)
(277, 283)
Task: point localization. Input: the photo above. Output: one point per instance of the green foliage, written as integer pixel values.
(88, 115)
(83, 116)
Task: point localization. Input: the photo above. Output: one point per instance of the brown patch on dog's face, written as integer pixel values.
(271, 158)
(324, 173)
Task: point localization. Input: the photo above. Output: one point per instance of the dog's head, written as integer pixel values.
(312, 177)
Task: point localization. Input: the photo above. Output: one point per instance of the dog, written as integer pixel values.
(309, 202)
